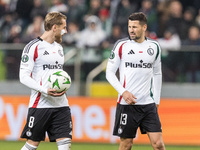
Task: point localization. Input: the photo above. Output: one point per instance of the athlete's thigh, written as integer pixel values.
(36, 124)
(61, 124)
(150, 121)
(126, 121)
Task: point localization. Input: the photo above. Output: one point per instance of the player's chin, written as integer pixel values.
(132, 37)
(58, 39)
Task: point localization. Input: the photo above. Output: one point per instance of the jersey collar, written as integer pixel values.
(40, 38)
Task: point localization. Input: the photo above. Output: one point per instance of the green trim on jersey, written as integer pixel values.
(157, 50)
(151, 93)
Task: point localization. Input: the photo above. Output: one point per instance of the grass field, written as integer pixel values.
(11, 145)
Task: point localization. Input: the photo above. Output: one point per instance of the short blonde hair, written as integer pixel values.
(53, 18)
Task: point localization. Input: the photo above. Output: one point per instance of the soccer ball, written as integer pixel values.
(60, 81)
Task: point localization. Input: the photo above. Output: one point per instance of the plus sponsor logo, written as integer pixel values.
(56, 66)
(141, 64)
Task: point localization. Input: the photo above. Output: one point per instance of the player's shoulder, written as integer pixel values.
(121, 41)
(155, 44)
(32, 44)
(151, 41)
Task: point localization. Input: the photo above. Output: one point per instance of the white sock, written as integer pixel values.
(64, 144)
(29, 147)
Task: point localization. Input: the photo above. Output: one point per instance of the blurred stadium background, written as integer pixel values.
(93, 28)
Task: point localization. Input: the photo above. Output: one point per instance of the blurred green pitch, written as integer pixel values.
(17, 145)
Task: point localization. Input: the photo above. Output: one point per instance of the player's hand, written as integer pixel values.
(53, 92)
(129, 98)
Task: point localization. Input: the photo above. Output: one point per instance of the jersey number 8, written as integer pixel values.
(31, 121)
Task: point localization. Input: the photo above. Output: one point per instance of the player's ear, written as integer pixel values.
(54, 27)
(145, 27)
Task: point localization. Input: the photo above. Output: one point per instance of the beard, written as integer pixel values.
(58, 39)
(134, 37)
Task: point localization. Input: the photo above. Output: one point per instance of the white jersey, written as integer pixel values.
(139, 67)
(39, 60)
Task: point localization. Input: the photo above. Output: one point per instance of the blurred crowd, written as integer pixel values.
(175, 21)
(95, 25)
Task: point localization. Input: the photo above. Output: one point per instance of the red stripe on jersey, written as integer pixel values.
(35, 53)
(120, 98)
(41, 82)
(36, 100)
(124, 87)
(120, 50)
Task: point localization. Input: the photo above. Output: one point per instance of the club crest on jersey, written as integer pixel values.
(112, 55)
(60, 53)
(150, 51)
(25, 58)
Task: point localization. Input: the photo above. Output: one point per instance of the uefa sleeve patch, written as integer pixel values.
(112, 55)
(25, 58)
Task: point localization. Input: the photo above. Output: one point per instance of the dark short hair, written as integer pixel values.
(141, 17)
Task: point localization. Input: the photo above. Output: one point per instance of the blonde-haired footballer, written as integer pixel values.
(48, 110)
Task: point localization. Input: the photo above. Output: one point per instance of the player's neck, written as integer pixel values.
(48, 37)
(140, 40)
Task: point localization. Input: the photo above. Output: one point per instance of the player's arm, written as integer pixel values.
(26, 67)
(112, 66)
(25, 78)
(157, 78)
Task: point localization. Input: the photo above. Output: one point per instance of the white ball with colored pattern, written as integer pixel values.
(60, 80)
